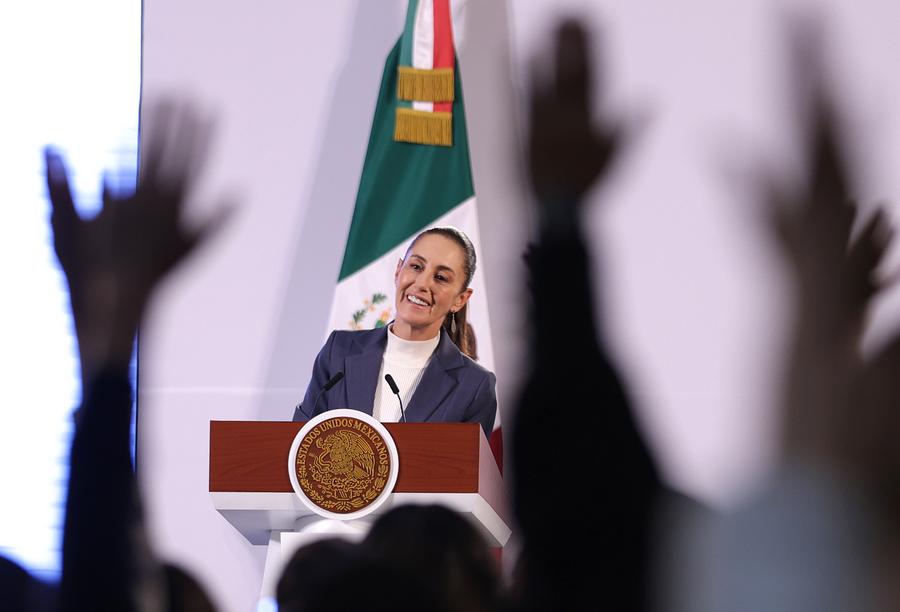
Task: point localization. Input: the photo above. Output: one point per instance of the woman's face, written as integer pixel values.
(429, 283)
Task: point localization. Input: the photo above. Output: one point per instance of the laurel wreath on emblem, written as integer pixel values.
(371, 306)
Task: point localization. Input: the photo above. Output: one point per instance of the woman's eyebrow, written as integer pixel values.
(441, 267)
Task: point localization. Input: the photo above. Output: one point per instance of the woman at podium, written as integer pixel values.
(418, 368)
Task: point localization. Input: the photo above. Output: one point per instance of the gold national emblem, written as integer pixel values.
(342, 464)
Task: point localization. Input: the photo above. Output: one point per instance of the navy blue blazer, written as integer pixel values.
(453, 389)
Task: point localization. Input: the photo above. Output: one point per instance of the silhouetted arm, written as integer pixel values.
(99, 558)
(113, 263)
(575, 437)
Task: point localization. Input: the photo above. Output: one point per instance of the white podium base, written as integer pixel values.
(283, 520)
(307, 529)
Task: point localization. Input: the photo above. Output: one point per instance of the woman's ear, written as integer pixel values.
(461, 300)
(397, 271)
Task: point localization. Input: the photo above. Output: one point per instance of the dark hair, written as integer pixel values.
(184, 592)
(311, 569)
(440, 550)
(455, 324)
(333, 574)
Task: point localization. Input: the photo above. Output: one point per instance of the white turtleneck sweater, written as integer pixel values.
(405, 361)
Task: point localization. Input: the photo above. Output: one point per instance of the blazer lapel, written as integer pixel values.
(361, 370)
(437, 381)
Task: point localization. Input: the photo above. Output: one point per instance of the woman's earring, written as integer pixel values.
(453, 323)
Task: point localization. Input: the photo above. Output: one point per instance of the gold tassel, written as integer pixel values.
(425, 85)
(423, 127)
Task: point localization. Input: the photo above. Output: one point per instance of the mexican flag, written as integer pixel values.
(416, 175)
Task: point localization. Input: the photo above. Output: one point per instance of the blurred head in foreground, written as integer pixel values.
(438, 548)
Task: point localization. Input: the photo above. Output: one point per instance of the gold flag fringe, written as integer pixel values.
(423, 127)
(425, 85)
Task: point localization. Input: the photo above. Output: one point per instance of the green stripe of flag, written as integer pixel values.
(404, 187)
(406, 41)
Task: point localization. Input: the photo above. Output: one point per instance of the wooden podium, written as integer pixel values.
(447, 463)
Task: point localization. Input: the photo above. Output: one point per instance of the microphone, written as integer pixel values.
(396, 391)
(332, 382)
(328, 385)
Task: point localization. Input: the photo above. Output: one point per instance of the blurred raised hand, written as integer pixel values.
(568, 151)
(115, 260)
(836, 277)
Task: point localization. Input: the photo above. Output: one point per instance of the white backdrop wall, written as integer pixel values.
(692, 293)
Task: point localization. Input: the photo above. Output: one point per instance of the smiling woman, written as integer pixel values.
(432, 283)
(426, 350)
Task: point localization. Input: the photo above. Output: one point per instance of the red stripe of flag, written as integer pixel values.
(443, 44)
(496, 443)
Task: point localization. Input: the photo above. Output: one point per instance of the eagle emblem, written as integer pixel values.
(345, 458)
(342, 464)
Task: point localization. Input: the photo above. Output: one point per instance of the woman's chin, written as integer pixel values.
(415, 322)
(415, 315)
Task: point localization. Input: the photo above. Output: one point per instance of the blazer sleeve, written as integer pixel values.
(483, 408)
(321, 373)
